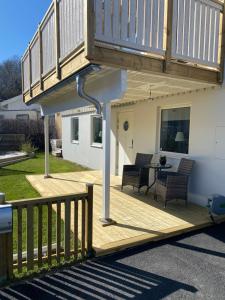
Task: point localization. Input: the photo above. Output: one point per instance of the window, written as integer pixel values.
(1, 117)
(24, 117)
(96, 130)
(75, 130)
(174, 132)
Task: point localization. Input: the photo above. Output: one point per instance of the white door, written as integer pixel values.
(125, 140)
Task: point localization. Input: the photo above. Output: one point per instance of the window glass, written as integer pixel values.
(1, 117)
(75, 129)
(174, 133)
(96, 130)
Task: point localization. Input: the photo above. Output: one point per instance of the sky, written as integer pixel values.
(19, 21)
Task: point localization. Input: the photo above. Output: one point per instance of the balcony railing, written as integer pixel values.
(59, 34)
(197, 30)
(137, 25)
(130, 25)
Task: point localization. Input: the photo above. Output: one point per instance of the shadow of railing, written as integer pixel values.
(97, 280)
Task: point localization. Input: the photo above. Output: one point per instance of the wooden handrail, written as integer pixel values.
(46, 200)
(60, 247)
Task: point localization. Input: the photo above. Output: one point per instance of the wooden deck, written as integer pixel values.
(139, 218)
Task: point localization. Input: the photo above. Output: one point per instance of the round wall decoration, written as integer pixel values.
(126, 125)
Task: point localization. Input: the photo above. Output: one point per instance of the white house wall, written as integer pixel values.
(83, 152)
(207, 114)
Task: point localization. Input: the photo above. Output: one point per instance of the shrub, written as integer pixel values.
(28, 148)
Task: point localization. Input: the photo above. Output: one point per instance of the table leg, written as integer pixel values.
(156, 176)
(150, 186)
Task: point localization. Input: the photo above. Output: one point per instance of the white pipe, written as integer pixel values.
(80, 89)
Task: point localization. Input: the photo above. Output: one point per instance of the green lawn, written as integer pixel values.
(14, 184)
(13, 178)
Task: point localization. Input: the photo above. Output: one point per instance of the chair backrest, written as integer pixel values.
(143, 159)
(185, 166)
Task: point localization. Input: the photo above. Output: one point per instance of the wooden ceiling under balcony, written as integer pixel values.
(174, 38)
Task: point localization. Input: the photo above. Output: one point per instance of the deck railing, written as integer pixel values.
(59, 34)
(129, 25)
(72, 239)
(137, 25)
(197, 30)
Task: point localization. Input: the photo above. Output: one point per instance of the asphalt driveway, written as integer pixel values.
(188, 267)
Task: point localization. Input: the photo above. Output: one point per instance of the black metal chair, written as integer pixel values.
(174, 185)
(137, 175)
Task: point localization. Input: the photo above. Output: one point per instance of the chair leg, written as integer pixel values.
(121, 187)
(165, 205)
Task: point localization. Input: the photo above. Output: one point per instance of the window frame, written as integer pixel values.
(71, 126)
(168, 153)
(94, 144)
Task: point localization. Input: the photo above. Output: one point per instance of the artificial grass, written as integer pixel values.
(14, 184)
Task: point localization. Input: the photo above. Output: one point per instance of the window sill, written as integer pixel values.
(96, 145)
(173, 154)
(75, 142)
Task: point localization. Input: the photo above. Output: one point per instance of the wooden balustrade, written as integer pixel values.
(59, 35)
(73, 34)
(73, 213)
(197, 31)
(134, 25)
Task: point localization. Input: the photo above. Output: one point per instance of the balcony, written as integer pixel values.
(181, 38)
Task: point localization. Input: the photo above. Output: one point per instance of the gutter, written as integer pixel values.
(80, 78)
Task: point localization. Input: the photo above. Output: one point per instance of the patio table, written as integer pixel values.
(157, 168)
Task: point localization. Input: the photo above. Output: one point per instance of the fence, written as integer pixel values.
(11, 141)
(36, 216)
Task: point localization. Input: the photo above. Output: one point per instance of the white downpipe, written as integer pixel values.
(46, 132)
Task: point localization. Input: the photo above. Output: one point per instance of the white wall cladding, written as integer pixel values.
(196, 31)
(135, 24)
(207, 115)
(35, 61)
(48, 43)
(26, 72)
(71, 25)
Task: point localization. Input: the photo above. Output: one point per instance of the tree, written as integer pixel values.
(10, 78)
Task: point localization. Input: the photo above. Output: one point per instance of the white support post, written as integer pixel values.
(46, 131)
(106, 128)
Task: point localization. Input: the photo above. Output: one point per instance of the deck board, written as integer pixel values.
(139, 218)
